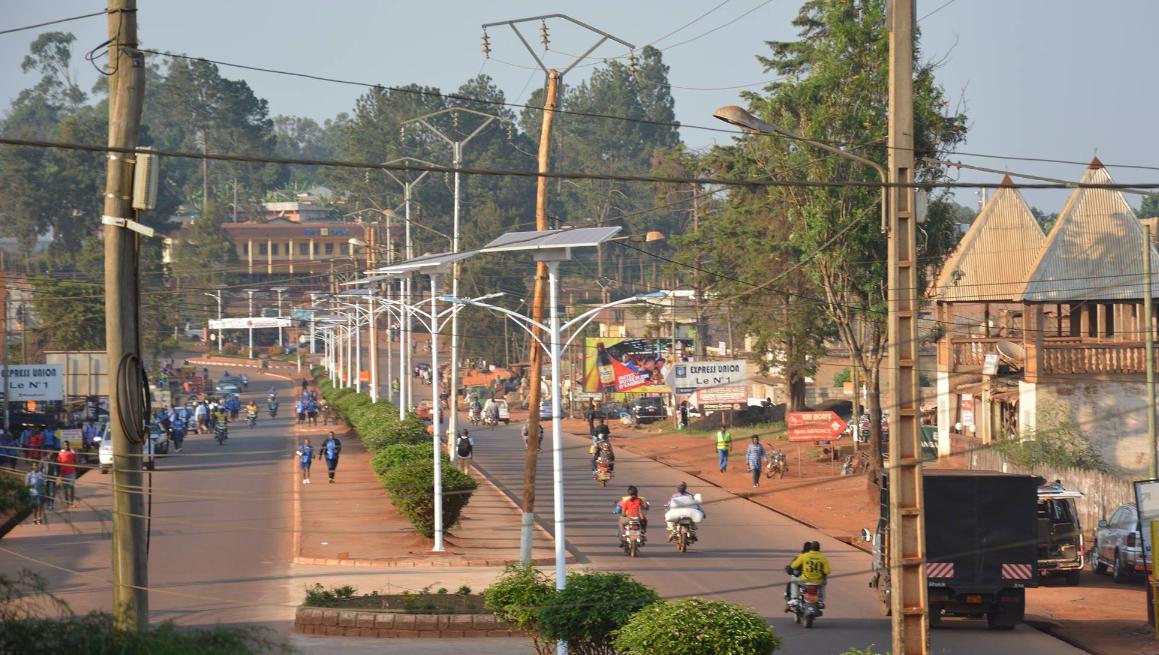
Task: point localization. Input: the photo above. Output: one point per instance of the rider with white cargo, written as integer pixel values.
(680, 506)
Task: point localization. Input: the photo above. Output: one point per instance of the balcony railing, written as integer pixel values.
(1125, 357)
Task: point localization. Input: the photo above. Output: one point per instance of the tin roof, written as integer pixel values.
(1094, 251)
(995, 255)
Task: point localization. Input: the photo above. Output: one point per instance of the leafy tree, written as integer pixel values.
(832, 86)
(1150, 206)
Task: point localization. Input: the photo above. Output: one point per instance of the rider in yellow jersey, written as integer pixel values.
(811, 567)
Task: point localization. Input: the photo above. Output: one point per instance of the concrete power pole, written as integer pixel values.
(907, 542)
(122, 321)
(1149, 342)
(553, 77)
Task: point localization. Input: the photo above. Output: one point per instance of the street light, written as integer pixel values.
(216, 295)
(250, 320)
(280, 291)
(734, 115)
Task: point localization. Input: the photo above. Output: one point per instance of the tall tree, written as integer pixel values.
(832, 86)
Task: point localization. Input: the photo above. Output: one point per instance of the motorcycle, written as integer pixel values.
(778, 465)
(273, 408)
(490, 421)
(220, 432)
(685, 534)
(474, 417)
(632, 537)
(603, 471)
(806, 604)
(252, 420)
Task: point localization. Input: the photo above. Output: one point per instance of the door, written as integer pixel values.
(1111, 536)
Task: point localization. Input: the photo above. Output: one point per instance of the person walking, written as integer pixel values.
(590, 415)
(723, 448)
(754, 458)
(305, 455)
(51, 480)
(66, 459)
(465, 449)
(331, 449)
(34, 482)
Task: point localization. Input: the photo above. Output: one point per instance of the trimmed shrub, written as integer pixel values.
(389, 432)
(409, 487)
(400, 454)
(94, 633)
(516, 598)
(591, 608)
(696, 627)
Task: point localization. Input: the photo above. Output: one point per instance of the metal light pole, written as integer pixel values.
(216, 295)
(249, 320)
(456, 163)
(280, 291)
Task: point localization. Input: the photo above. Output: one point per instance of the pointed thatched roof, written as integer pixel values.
(996, 254)
(1094, 251)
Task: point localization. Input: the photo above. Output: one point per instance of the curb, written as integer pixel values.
(571, 559)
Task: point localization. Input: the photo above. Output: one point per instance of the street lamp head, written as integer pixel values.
(740, 117)
(355, 241)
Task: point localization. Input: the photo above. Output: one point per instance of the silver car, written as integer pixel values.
(1119, 546)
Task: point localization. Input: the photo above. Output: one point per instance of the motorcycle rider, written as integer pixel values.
(811, 567)
(476, 410)
(682, 494)
(633, 506)
(272, 405)
(525, 435)
(251, 410)
(602, 448)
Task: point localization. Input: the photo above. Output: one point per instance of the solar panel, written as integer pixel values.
(374, 279)
(426, 262)
(583, 237)
(354, 293)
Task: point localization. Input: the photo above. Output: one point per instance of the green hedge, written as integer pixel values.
(721, 628)
(392, 457)
(589, 610)
(409, 487)
(516, 599)
(389, 432)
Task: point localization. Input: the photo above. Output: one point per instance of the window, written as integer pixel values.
(262, 249)
(329, 248)
(245, 249)
(303, 249)
(344, 248)
(274, 249)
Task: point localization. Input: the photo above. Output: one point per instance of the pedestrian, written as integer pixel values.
(590, 415)
(683, 414)
(305, 455)
(754, 458)
(305, 384)
(723, 447)
(300, 410)
(34, 482)
(51, 480)
(67, 458)
(178, 431)
(465, 449)
(312, 411)
(331, 449)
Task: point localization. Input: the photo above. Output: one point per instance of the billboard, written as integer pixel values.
(246, 323)
(613, 364)
(690, 376)
(40, 382)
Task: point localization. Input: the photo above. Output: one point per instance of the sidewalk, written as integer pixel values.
(353, 522)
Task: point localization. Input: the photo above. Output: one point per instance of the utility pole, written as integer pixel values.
(280, 291)
(456, 163)
(122, 321)
(553, 77)
(250, 321)
(1149, 340)
(4, 350)
(907, 549)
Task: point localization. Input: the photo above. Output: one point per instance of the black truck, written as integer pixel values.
(981, 532)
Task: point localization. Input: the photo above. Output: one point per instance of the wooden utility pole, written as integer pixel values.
(531, 456)
(122, 322)
(4, 349)
(1149, 340)
(907, 542)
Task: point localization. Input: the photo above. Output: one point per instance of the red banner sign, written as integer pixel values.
(814, 426)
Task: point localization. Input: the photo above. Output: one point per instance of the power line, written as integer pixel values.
(752, 182)
(55, 22)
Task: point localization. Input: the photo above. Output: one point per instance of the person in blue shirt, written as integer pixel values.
(305, 454)
(331, 449)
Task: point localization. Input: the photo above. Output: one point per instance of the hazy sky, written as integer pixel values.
(1038, 78)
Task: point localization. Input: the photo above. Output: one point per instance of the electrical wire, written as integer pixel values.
(58, 21)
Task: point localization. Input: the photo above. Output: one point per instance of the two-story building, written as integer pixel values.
(281, 248)
(1044, 330)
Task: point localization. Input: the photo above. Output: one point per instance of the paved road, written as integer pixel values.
(742, 549)
(220, 548)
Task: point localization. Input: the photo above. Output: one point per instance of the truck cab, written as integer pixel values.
(1060, 536)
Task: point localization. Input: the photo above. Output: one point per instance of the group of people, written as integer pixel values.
(331, 449)
(755, 454)
(52, 473)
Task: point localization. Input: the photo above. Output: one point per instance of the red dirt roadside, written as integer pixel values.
(1098, 616)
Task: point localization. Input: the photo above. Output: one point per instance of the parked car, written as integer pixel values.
(156, 444)
(425, 410)
(647, 408)
(1060, 536)
(1119, 545)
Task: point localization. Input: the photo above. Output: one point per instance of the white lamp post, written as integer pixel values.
(280, 291)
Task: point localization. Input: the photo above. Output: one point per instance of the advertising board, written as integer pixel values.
(638, 365)
(689, 376)
(245, 323)
(39, 382)
(814, 426)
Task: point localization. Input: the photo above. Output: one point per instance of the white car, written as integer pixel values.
(158, 442)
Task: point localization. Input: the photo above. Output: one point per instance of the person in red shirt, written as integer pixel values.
(633, 506)
(36, 444)
(66, 458)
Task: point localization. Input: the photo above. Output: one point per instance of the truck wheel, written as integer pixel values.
(996, 620)
(1072, 578)
(1119, 571)
(1097, 565)
(883, 596)
(935, 616)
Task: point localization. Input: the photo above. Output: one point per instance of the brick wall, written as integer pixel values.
(368, 623)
